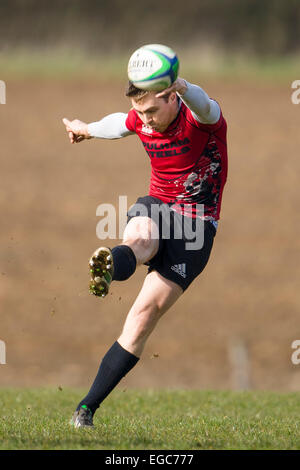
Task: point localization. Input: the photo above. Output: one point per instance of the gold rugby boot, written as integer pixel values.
(102, 270)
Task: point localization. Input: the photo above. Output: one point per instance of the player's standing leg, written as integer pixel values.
(155, 298)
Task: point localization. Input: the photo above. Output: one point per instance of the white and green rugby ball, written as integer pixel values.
(153, 67)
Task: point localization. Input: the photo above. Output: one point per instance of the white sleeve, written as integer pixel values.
(111, 126)
(204, 109)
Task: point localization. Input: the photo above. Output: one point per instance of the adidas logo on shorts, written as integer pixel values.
(179, 269)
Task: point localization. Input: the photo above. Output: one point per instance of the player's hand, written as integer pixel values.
(77, 130)
(178, 86)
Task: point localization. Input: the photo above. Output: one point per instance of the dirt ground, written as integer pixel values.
(235, 325)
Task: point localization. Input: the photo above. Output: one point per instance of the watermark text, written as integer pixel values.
(169, 222)
(295, 358)
(2, 352)
(296, 94)
(2, 92)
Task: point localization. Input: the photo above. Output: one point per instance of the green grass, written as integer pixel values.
(39, 419)
(64, 64)
(60, 65)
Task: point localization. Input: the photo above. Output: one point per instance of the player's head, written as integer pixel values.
(157, 113)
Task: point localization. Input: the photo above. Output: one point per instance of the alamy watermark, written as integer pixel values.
(295, 358)
(2, 92)
(296, 94)
(169, 221)
(2, 352)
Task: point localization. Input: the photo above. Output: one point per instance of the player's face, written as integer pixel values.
(156, 113)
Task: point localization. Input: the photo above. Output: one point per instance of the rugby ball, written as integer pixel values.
(153, 67)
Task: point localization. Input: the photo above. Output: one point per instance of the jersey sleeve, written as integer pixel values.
(205, 127)
(111, 126)
(198, 101)
(131, 120)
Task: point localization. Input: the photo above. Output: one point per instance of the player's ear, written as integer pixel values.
(173, 97)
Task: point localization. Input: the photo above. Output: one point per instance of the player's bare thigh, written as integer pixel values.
(155, 298)
(141, 235)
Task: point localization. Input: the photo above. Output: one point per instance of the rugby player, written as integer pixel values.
(184, 133)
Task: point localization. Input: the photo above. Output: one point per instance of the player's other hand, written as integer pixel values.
(178, 86)
(77, 130)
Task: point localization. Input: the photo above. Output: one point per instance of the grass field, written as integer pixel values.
(129, 419)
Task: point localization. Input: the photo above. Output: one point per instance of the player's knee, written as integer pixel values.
(141, 243)
(143, 248)
(138, 327)
(141, 230)
(145, 320)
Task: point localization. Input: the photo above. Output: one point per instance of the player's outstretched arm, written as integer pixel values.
(112, 126)
(203, 108)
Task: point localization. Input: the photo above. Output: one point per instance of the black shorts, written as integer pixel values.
(174, 260)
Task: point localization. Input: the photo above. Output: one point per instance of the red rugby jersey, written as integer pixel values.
(188, 160)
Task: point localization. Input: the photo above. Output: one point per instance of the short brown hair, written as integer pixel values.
(133, 92)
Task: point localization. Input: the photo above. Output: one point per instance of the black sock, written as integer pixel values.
(124, 262)
(116, 363)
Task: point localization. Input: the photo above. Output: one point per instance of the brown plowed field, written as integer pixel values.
(56, 334)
